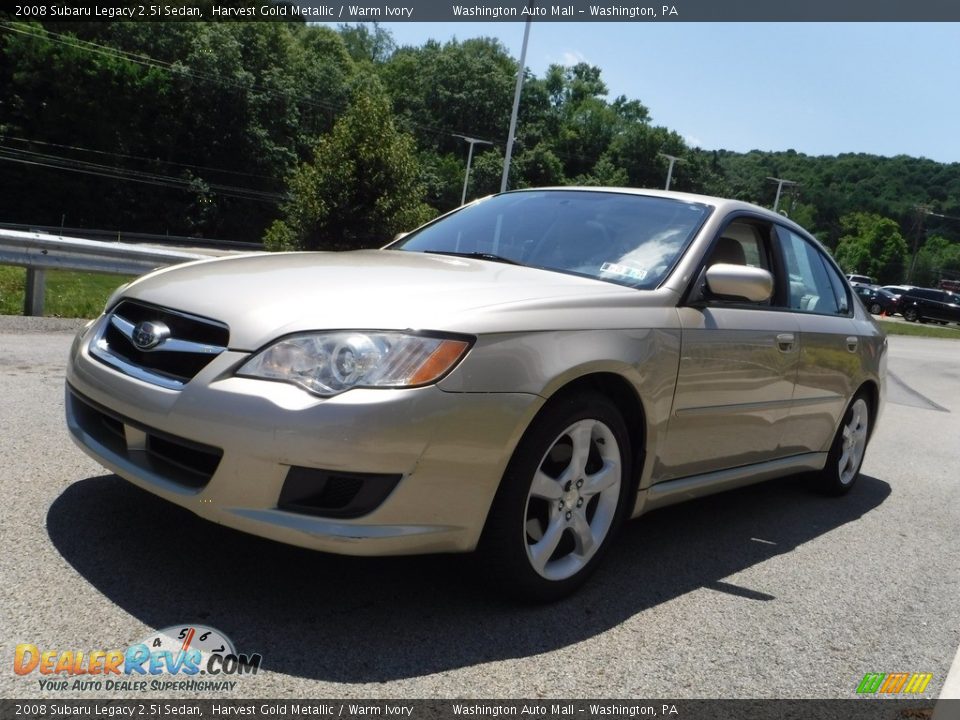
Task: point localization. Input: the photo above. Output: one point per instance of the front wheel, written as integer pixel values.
(875, 309)
(561, 499)
(911, 315)
(848, 449)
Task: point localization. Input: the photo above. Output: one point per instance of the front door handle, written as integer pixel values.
(852, 343)
(785, 342)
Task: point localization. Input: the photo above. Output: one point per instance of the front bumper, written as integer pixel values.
(449, 450)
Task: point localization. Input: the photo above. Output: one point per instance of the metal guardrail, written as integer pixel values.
(136, 238)
(39, 252)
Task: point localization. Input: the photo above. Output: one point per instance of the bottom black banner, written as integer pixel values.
(149, 709)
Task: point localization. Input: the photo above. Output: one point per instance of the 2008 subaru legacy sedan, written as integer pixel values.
(519, 376)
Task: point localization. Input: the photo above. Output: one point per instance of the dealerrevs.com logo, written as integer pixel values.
(182, 657)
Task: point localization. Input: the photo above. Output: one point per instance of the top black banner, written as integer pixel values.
(506, 11)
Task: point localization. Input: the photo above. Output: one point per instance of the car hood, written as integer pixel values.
(265, 295)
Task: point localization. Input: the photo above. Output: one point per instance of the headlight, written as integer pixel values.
(332, 362)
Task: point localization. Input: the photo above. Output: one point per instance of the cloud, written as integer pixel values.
(693, 141)
(567, 58)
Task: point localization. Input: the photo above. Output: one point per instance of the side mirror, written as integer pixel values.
(740, 281)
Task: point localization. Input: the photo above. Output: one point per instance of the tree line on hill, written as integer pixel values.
(307, 137)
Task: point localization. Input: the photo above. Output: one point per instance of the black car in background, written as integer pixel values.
(930, 304)
(877, 300)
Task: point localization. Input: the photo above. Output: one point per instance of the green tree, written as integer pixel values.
(486, 174)
(364, 44)
(186, 128)
(538, 167)
(362, 185)
(803, 214)
(637, 150)
(937, 259)
(604, 174)
(872, 245)
(458, 87)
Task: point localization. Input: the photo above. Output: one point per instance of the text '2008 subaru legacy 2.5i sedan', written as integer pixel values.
(518, 376)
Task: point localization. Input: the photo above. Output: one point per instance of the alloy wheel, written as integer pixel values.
(573, 499)
(854, 441)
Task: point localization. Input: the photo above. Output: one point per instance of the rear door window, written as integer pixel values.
(814, 285)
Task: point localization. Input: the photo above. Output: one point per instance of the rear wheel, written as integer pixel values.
(848, 449)
(561, 499)
(875, 308)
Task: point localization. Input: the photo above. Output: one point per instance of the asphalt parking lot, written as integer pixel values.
(769, 591)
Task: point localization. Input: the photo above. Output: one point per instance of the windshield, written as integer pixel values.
(627, 239)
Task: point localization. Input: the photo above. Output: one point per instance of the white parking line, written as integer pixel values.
(950, 691)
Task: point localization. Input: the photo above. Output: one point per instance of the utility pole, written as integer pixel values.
(516, 108)
(466, 175)
(922, 211)
(780, 183)
(672, 159)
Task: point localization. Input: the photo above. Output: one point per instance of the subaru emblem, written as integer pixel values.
(148, 334)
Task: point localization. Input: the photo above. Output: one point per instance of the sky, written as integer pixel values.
(818, 88)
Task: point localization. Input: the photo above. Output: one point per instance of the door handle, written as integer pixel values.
(852, 343)
(785, 342)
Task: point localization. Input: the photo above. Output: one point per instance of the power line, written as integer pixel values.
(56, 163)
(137, 157)
(125, 172)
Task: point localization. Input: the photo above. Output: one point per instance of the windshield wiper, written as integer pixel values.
(478, 255)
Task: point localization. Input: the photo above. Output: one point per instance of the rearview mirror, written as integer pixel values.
(740, 281)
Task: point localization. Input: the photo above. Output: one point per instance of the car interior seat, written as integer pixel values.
(728, 251)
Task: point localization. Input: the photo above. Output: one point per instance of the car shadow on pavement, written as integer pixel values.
(360, 620)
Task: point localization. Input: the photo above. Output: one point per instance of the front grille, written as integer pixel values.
(173, 458)
(185, 344)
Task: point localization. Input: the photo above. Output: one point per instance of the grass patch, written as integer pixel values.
(69, 294)
(916, 329)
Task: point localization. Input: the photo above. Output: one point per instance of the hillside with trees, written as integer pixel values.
(304, 136)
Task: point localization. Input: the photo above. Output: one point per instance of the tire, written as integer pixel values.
(561, 500)
(848, 449)
(875, 309)
(911, 315)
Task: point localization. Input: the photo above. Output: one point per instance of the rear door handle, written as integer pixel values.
(852, 343)
(786, 341)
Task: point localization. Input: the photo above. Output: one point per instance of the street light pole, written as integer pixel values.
(780, 183)
(516, 108)
(466, 175)
(672, 159)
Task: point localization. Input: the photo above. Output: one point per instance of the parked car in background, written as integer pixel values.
(897, 291)
(924, 304)
(518, 376)
(861, 280)
(877, 300)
